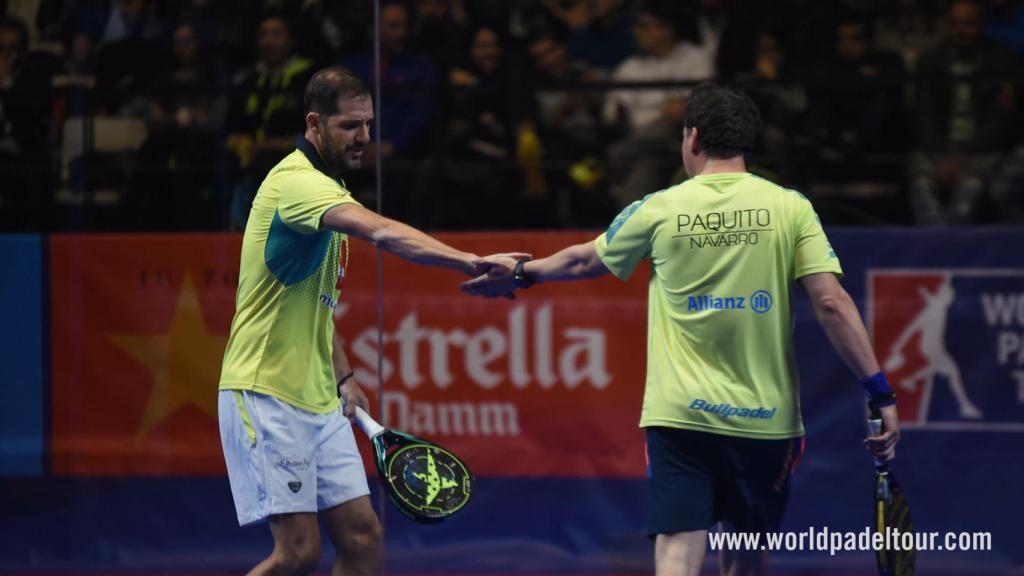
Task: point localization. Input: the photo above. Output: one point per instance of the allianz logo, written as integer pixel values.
(760, 302)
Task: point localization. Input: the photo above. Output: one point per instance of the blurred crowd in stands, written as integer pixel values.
(164, 115)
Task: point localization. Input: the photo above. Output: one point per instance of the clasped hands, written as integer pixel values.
(494, 275)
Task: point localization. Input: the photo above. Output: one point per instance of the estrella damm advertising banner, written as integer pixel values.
(549, 384)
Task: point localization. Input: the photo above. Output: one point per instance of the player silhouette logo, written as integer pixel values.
(930, 323)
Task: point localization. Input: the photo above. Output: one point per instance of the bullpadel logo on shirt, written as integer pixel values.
(725, 410)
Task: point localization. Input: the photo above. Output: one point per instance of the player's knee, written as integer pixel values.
(362, 538)
(298, 557)
(679, 554)
(743, 562)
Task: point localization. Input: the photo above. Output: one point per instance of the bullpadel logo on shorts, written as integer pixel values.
(725, 410)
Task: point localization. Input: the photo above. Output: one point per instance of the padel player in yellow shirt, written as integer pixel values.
(288, 445)
(721, 404)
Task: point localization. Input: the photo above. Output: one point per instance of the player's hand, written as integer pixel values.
(883, 446)
(505, 261)
(497, 281)
(491, 286)
(478, 265)
(351, 396)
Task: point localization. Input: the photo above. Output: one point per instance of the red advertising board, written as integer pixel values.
(546, 385)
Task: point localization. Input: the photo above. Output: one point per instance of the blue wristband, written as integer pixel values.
(878, 390)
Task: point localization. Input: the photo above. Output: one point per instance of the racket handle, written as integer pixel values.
(874, 426)
(367, 423)
(874, 429)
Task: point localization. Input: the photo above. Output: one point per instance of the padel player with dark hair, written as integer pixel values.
(287, 438)
(721, 404)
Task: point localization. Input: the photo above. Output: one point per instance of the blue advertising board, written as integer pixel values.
(21, 357)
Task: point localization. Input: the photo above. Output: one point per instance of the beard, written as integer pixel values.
(336, 156)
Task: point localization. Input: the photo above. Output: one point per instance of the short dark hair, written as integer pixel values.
(726, 120)
(330, 85)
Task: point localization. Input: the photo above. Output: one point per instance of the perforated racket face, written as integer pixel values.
(892, 511)
(427, 482)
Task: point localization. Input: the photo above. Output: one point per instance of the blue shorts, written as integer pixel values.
(696, 479)
(282, 459)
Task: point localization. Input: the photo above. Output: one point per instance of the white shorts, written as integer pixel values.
(282, 459)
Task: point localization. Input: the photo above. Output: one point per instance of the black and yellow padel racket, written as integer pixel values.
(892, 515)
(423, 480)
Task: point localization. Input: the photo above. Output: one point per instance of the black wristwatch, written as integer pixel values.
(519, 276)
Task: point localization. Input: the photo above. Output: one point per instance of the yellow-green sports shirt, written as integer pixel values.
(281, 336)
(725, 250)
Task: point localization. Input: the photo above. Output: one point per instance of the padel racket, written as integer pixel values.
(423, 480)
(892, 514)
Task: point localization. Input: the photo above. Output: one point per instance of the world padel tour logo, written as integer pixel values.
(952, 344)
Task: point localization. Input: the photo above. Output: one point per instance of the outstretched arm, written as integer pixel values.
(838, 316)
(400, 239)
(578, 262)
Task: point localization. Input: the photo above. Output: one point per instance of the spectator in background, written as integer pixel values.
(188, 94)
(125, 56)
(773, 86)
(965, 102)
(440, 30)
(130, 19)
(25, 98)
(567, 124)
(855, 105)
(906, 27)
(408, 81)
(265, 110)
(208, 20)
(481, 110)
(605, 37)
(650, 118)
(473, 183)
(177, 183)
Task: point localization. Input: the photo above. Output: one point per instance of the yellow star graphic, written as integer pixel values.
(185, 361)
